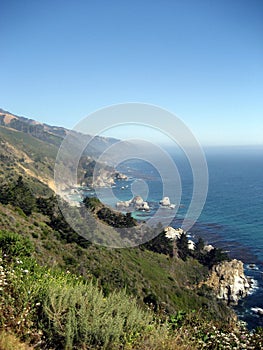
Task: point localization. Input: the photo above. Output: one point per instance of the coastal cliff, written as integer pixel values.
(228, 281)
(106, 177)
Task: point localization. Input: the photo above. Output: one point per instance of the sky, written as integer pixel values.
(201, 60)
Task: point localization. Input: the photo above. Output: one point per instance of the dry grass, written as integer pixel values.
(161, 339)
(8, 341)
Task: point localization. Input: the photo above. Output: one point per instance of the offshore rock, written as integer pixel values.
(137, 203)
(120, 176)
(165, 202)
(229, 282)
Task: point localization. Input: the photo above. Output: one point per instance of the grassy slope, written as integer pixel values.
(32, 146)
(22, 154)
(168, 283)
(171, 283)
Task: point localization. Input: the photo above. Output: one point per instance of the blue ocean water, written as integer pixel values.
(232, 215)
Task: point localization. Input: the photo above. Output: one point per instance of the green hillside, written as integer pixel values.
(29, 144)
(148, 300)
(60, 291)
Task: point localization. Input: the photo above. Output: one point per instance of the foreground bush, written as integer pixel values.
(61, 310)
(51, 309)
(78, 315)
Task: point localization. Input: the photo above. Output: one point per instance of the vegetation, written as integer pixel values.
(182, 245)
(160, 244)
(59, 291)
(19, 195)
(49, 308)
(163, 245)
(110, 217)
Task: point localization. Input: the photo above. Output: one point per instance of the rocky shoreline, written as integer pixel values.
(107, 178)
(229, 282)
(227, 279)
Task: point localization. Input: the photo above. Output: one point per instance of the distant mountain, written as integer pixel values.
(29, 148)
(49, 133)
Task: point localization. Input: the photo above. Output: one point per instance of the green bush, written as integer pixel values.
(14, 245)
(19, 195)
(80, 315)
(61, 308)
(60, 311)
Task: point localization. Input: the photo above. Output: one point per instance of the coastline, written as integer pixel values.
(229, 219)
(247, 305)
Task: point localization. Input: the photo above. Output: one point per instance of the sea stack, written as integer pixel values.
(165, 202)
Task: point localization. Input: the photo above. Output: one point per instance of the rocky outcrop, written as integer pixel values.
(258, 311)
(165, 203)
(228, 281)
(208, 247)
(173, 233)
(106, 178)
(103, 178)
(137, 203)
(120, 176)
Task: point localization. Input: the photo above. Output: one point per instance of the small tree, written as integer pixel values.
(199, 250)
(160, 244)
(182, 245)
(92, 203)
(22, 197)
(215, 256)
(199, 246)
(5, 194)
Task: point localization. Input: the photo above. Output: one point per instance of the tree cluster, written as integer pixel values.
(19, 195)
(110, 217)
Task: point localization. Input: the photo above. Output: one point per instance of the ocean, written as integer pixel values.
(231, 217)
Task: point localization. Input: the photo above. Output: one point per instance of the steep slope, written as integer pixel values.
(22, 154)
(158, 281)
(54, 134)
(167, 285)
(30, 148)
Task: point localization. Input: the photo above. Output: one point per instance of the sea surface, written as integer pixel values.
(231, 217)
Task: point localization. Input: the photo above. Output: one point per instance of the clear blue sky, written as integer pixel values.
(202, 60)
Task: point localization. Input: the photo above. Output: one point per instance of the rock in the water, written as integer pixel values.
(123, 204)
(165, 202)
(257, 310)
(229, 281)
(137, 203)
(137, 200)
(143, 206)
(120, 176)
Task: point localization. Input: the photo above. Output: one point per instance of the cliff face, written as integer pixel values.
(229, 281)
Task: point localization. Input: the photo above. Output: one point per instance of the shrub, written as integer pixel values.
(160, 244)
(19, 195)
(14, 245)
(182, 246)
(80, 315)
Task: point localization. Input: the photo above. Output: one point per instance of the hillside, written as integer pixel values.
(53, 135)
(148, 300)
(29, 148)
(58, 291)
